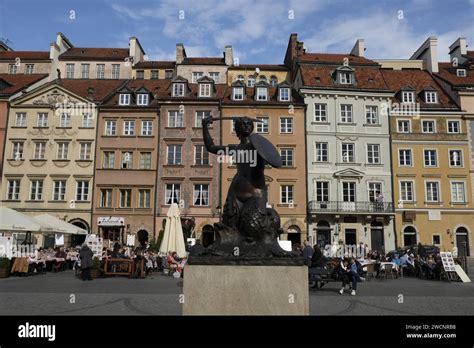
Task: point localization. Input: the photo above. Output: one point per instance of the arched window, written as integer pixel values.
(240, 78)
(273, 81)
(251, 81)
(262, 78)
(409, 236)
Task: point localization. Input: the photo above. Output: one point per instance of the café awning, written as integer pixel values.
(14, 221)
(58, 225)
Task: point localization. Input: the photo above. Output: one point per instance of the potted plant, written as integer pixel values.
(4, 267)
(95, 270)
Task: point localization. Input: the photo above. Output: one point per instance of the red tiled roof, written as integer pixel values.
(153, 64)
(101, 88)
(203, 61)
(17, 82)
(297, 100)
(155, 87)
(335, 58)
(220, 89)
(419, 80)
(95, 54)
(276, 67)
(448, 73)
(322, 76)
(24, 55)
(470, 54)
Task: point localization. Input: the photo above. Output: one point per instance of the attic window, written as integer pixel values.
(124, 99)
(408, 97)
(431, 97)
(262, 94)
(461, 72)
(142, 99)
(178, 89)
(371, 79)
(345, 78)
(204, 89)
(318, 79)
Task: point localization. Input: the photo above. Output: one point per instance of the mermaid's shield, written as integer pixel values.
(266, 149)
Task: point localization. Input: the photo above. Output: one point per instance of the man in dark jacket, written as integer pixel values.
(86, 261)
(307, 253)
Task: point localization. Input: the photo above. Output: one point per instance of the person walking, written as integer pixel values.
(307, 253)
(355, 277)
(86, 261)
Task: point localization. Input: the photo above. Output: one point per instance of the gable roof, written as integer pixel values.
(150, 64)
(154, 87)
(447, 72)
(203, 61)
(335, 58)
(88, 53)
(16, 82)
(275, 67)
(296, 99)
(24, 55)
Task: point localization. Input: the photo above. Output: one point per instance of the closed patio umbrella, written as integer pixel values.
(173, 239)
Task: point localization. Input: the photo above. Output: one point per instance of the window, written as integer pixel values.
(196, 76)
(59, 190)
(345, 78)
(262, 127)
(201, 194)
(140, 74)
(110, 128)
(428, 126)
(116, 71)
(455, 158)
(63, 148)
(454, 127)
(128, 128)
(238, 93)
(40, 147)
(322, 152)
(284, 94)
(204, 89)
(408, 97)
(431, 159)
(154, 75)
(287, 156)
(85, 154)
(142, 99)
(127, 160)
(240, 78)
(348, 155)
(82, 190)
(174, 154)
(108, 160)
(286, 194)
(286, 125)
(178, 89)
(69, 71)
(100, 71)
(262, 93)
(20, 120)
(200, 115)
(42, 120)
(436, 239)
(173, 193)
(373, 153)
(349, 191)
(431, 97)
(403, 126)
(274, 81)
(320, 113)
(144, 198)
(457, 192)
(168, 74)
(375, 188)
(346, 113)
(145, 160)
(125, 198)
(147, 128)
(432, 191)
(124, 99)
(12, 69)
(175, 119)
(65, 120)
(461, 72)
(250, 81)
(262, 78)
(404, 157)
(406, 191)
(36, 190)
(85, 71)
(13, 190)
(106, 198)
(322, 191)
(214, 76)
(201, 156)
(17, 150)
(29, 68)
(87, 120)
(371, 115)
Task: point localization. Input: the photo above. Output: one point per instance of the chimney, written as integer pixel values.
(359, 48)
(428, 52)
(228, 55)
(457, 50)
(180, 53)
(135, 50)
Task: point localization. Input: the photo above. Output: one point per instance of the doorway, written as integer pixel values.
(462, 242)
(409, 236)
(142, 236)
(376, 236)
(323, 234)
(351, 236)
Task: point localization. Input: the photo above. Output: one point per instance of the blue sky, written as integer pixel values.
(257, 30)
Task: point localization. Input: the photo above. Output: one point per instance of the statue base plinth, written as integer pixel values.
(245, 290)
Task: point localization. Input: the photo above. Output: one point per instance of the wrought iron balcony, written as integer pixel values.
(350, 207)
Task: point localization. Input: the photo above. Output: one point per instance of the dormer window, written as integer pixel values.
(408, 97)
(262, 93)
(124, 99)
(461, 72)
(250, 81)
(238, 93)
(284, 94)
(431, 97)
(204, 89)
(345, 78)
(178, 89)
(142, 99)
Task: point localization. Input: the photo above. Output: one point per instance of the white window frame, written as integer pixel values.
(202, 194)
(439, 200)
(413, 190)
(145, 160)
(286, 127)
(70, 70)
(376, 159)
(85, 151)
(451, 185)
(41, 154)
(81, 191)
(173, 194)
(431, 97)
(238, 93)
(175, 160)
(423, 128)
(115, 71)
(374, 192)
(262, 93)
(461, 158)
(349, 182)
(29, 69)
(13, 191)
(144, 199)
(324, 152)
(461, 73)
(215, 76)
(36, 190)
(371, 115)
(343, 159)
(346, 113)
(125, 196)
(42, 120)
(20, 119)
(408, 97)
(289, 190)
(142, 99)
(196, 76)
(85, 71)
(108, 159)
(106, 198)
(59, 187)
(62, 150)
(322, 109)
(12, 69)
(100, 71)
(345, 78)
(399, 130)
(178, 89)
(177, 117)
(204, 155)
(110, 128)
(411, 157)
(205, 90)
(282, 96)
(251, 81)
(327, 189)
(459, 126)
(124, 99)
(262, 127)
(65, 120)
(436, 158)
(128, 128)
(289, 156)
(147, 128)
(18, 148)
(87, 119)
(200, 114)
(125, 163)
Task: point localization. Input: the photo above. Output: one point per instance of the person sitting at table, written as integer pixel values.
(430, 266)
(58, 264)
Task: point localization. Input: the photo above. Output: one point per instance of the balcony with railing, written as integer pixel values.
(351, 207)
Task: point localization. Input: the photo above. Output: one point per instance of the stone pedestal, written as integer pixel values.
(245, 290)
